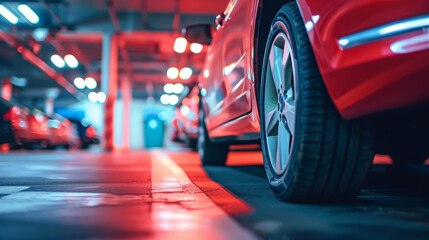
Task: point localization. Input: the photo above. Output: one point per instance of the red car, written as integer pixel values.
(187, 123)
(62, 133)
(37, 133)
(322, 86)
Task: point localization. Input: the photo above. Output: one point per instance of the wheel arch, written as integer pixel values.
(266, 11)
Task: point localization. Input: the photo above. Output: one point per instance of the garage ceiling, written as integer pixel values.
(147, 30)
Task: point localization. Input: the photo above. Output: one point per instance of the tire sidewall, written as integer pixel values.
(280, 184)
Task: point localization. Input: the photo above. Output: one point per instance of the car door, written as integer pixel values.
(234, 75)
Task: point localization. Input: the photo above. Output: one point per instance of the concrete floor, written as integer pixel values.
(168, 195)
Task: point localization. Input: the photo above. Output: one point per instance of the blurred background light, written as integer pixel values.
(196, 48)
(173, 99)
(101, 97)
(40, 34)
(79, 83)
(165, 99)
(185, 73)
(8, 15)
(92, 96)
(206, 73)
(90, 83)
(180, 45)
(168, 88)
(58, 61)
(28, 13)
(71, 61)
(172, 73)
(178, 88)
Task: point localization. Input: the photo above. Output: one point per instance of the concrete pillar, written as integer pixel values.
(109, 85)
(126, 94)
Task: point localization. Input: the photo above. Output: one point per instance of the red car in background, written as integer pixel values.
(37, 133)
(322, 86)
(187, 122)
(62, 133)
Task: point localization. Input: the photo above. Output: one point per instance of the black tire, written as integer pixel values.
(190, 142)
(211, 153)
(329, 156)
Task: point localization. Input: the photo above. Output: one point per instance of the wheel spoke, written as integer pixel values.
(283, 142)
(276, 66)
(289, 111)
(285, 69)
(272, 119)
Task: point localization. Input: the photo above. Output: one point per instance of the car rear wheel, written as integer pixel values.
(211, 153)
(310, 152)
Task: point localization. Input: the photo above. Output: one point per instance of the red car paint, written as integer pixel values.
(37, 129)
(188, 116)
(361, 80)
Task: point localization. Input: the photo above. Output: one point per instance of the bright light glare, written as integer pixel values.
(185, 73)
(180, 45)
(168, 88)
(153, 123)
(90, 83)
(92, 96)
(71, 61)
(174, 99)
(206, 73)
(79, 83)
(172, 73)
(185, 110)
(58, 61)
(101, 97)
(196, 48)
(169, 99)
(28, 13)
(178, 88)
(165, 99)
(8, 15)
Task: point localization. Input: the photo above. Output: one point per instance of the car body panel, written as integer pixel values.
(352, 76)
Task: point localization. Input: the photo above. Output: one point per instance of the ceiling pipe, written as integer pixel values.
(122, 43)
(36, 61)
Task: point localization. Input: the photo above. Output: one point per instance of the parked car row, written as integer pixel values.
(24, 129)
(320, 89)
(185, 121)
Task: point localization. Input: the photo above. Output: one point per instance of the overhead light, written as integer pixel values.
(92, 96)
(165, 99)
(90, 83)
(178, 88)
(196, 48)
(168, 88)
(28, 13)
(8, 15)
(79, 83)
(172, 73)
(185, 73)
(169, 99)
(101, 97)
(58, 61)
(180, 45)
(71, 61)
(173, 99)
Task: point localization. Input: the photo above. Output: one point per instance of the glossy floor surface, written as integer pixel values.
(168, 195)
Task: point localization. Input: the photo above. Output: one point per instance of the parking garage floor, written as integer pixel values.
(169, 195)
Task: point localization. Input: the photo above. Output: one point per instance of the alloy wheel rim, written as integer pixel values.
(279, 102)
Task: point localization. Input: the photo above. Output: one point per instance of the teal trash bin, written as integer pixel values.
(153, 131)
